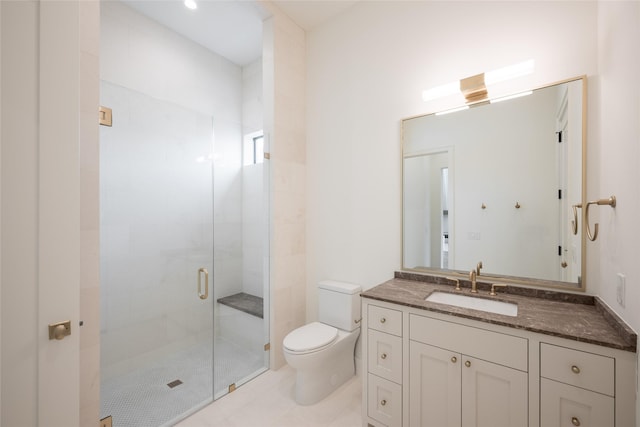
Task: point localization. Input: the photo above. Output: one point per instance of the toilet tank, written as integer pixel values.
(339, 304)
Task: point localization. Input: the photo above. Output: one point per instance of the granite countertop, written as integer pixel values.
(576, 317)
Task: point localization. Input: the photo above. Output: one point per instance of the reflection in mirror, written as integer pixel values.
(496, 183)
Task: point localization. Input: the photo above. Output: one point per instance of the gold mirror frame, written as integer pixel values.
(515, 280)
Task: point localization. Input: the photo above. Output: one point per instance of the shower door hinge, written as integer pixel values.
(267, 156)
(106, 422)
(267, 346)
(105, 116)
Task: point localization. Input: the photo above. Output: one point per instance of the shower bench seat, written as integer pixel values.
(247, 303)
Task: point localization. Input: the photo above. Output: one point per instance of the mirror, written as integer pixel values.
(496, 183)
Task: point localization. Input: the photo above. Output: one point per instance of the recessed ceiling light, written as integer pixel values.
(190, 4)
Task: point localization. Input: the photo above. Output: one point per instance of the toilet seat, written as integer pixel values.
(309, 338)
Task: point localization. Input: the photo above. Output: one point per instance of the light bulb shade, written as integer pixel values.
(514, 96)
(509, 72)
(441, 91)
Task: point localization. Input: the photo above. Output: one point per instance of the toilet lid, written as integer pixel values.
(310, 337)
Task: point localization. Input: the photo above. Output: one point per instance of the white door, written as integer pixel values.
(493, 395)
(59, 212)
(434, 386)
(40, 212)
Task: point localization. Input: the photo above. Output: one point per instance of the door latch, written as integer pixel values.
(59, 330)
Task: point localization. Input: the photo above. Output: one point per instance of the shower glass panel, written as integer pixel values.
(156, 188)
(181, 218)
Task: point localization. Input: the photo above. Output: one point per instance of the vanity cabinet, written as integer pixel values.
(450, 387)
(430, 369)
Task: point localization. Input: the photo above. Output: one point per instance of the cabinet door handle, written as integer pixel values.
(383, 402)
(382, 320)
(454, 359)
(575, 421)
(383, 356)
(575, 370)
(467, 364)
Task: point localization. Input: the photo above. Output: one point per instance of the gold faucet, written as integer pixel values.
(478, 267)
(472, 279)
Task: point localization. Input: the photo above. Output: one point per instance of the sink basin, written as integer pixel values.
(475, 303)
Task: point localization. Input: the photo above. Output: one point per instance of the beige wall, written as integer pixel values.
(614, 157)
(19, 218)
(284, 124)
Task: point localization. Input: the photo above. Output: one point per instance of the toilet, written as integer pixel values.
(322, 353)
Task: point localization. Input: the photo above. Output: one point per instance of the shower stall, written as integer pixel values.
(184, 280)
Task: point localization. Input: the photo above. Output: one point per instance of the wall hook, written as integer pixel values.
(574, 222)
(517, 205)
(483, 206)
(611, 201)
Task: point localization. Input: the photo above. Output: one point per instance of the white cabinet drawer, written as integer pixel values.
(562, 405)
(385, 320)
(502, 349)
(578, 368)
(384, 401)
(384, 355)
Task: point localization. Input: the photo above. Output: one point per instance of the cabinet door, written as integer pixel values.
(493, 395)
(384, 401)
(384, 357)
(562, 405)
(434, 386)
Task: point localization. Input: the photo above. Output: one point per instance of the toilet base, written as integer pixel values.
(313, 385)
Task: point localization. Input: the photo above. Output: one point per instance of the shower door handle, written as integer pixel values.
(206, 283)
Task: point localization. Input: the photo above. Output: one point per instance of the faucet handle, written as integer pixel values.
(478, 267)
(455, 279)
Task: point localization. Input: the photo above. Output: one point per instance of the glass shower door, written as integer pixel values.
(156, 252)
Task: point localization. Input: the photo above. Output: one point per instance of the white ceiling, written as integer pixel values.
(233, 28)
(308, 14)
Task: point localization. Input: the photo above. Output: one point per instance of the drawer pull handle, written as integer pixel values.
(467, 364)
(575, 421)
(384, 402)
(454, 359)
(382, 320)
(575, 370)
(383, 356)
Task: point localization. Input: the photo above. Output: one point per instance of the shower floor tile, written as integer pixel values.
(144, 399)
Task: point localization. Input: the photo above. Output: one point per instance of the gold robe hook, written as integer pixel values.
(611, 201)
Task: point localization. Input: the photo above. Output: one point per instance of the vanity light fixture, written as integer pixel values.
(509, 72)
(441, 91)
(453, 110)
(506, 98)
(190, 4)
(474, 88)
